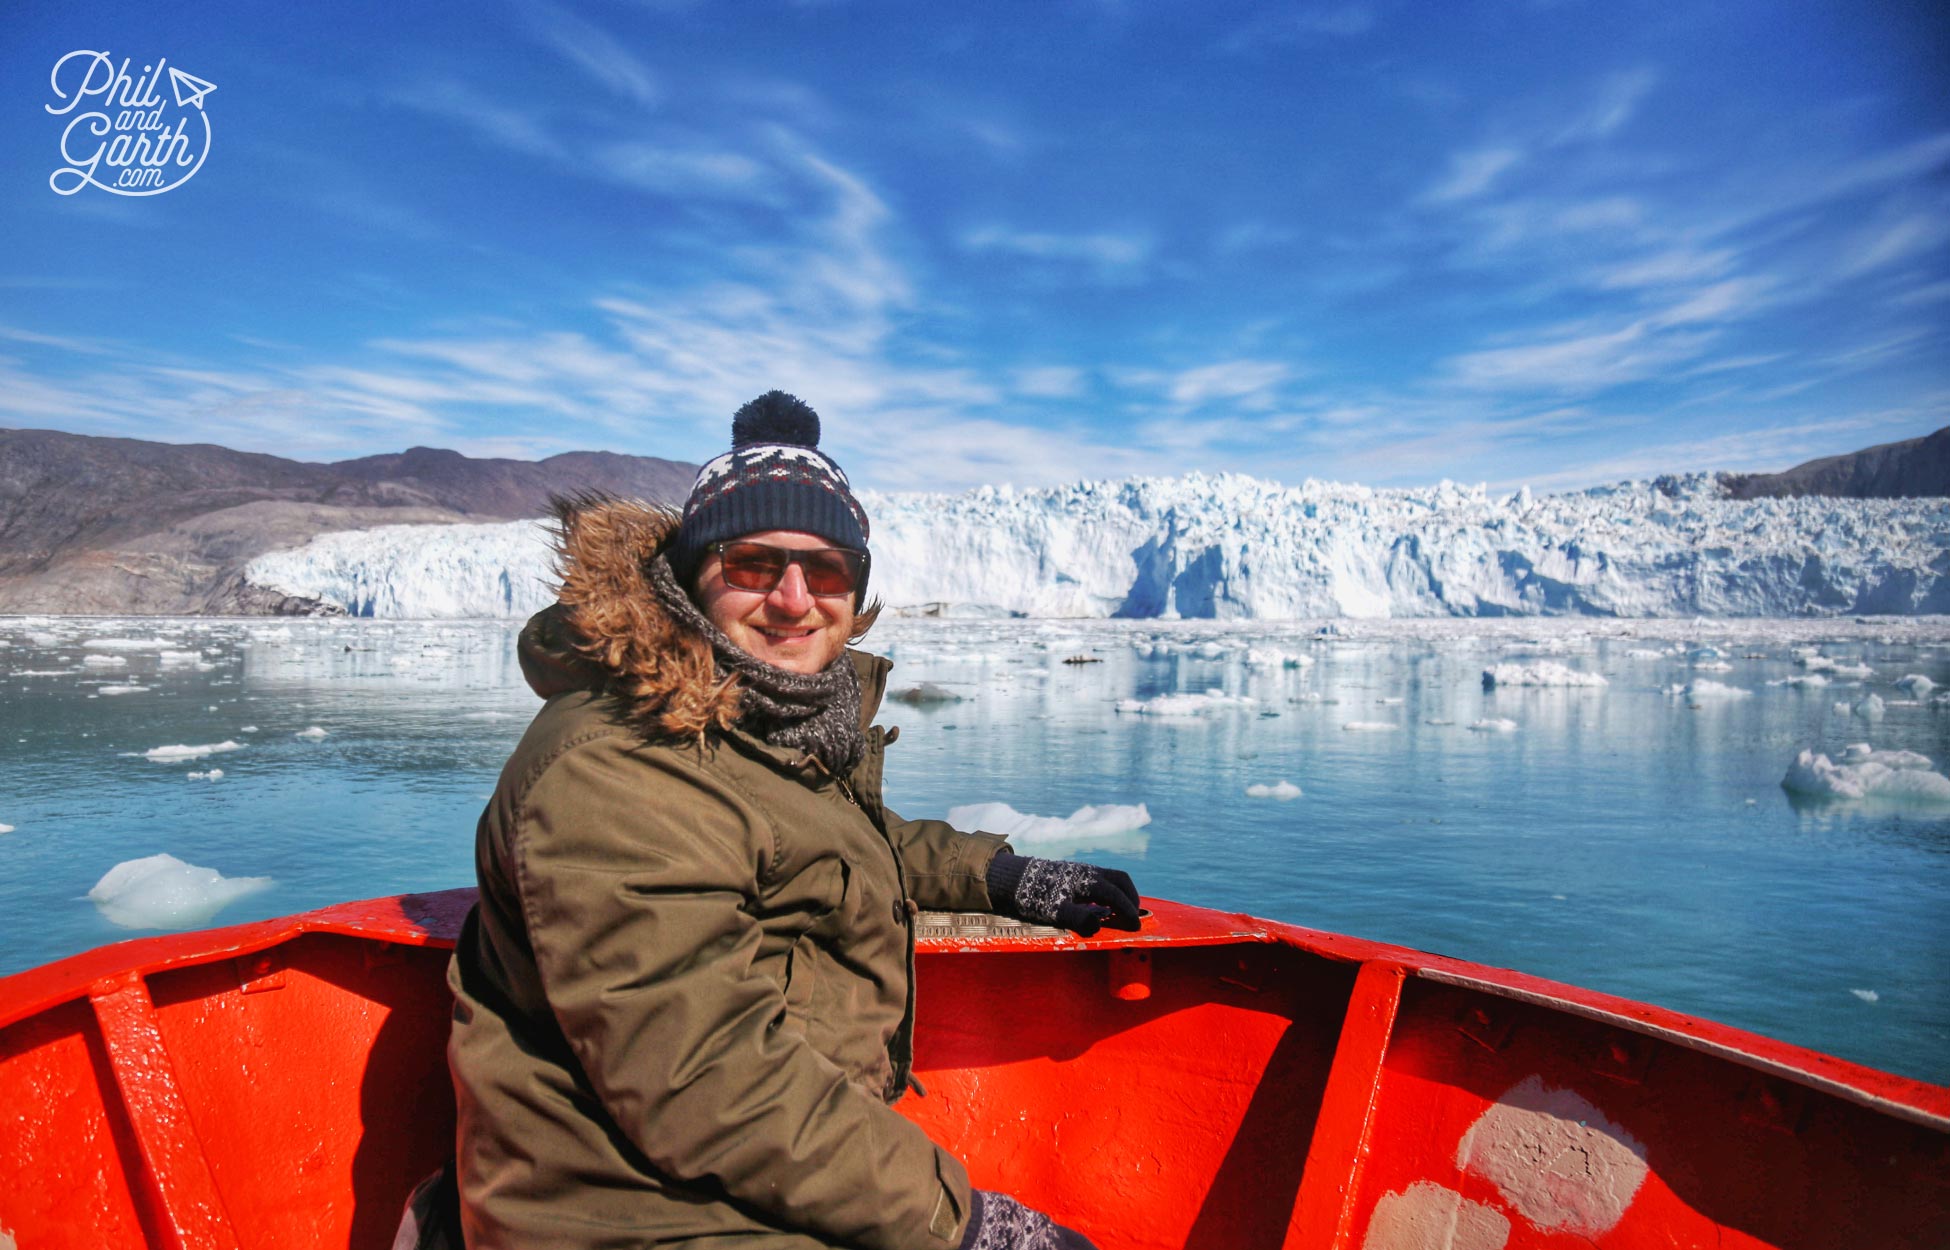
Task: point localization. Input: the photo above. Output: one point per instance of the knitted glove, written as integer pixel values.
(1079, 897)
(999, 1222)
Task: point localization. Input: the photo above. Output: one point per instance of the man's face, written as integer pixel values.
(788, 627)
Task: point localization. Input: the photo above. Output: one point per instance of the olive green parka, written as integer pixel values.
(685, 999)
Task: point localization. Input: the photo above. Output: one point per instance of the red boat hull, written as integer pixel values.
(1215, 1081)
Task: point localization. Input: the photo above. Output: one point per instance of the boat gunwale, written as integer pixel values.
(432, 920)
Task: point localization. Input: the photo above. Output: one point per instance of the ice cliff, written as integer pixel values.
(1228, 546)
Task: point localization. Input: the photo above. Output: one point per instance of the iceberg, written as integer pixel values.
(1865, 773)
(1542, 673)
(163, 892)
(183, 751)
(1093, 821)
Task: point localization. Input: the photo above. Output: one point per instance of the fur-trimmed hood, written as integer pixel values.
(608, 631)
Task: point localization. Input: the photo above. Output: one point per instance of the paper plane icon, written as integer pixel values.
(190, 89)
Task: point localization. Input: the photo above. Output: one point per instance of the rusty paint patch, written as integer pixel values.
(1428, 1216)
(1555, 1158)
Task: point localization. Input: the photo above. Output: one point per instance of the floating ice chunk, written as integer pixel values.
(105, 661)
(213, 775)
(1183, 705)
(163, 892)
(926, 692)
(1713, 666)
(1804, 680)
(6, 828)
(123, 690)
(1283, 790)
(1706, 688)
(1863, 772)
(45, 640)
(1369, 726)
(177, 659)
(1852, 670)
(248, 729)
(1209, 651)
(313, 732)
(1494, 725)
(1644, 653)
(1918, 685)
(1542, 673)
(1273, 657)
(1699, 654)
(1812, 662)
(170, 754)
(1868, 707)
(1867, 996)
(1094, 821)
(1556, 645)
(125, 644)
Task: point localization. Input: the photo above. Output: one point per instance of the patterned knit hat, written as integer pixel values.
(773, 478)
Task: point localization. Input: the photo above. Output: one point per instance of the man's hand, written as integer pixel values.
(999, 1222)
(1079, 897)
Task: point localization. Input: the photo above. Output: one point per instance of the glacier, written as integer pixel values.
(1228, 546)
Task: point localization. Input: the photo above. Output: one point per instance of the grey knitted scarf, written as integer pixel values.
(814, 712)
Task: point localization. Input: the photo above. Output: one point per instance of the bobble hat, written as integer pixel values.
(773, 478)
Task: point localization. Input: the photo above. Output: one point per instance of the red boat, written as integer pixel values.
(283, 1084)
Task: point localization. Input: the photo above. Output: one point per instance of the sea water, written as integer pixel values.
(1632, 837)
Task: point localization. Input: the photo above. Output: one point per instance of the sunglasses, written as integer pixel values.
(829, 571)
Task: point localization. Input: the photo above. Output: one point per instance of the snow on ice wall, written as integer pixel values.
(1228, 546)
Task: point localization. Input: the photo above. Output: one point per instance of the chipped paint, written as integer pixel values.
(6, 1239)
(1427, 1216)
(1555, 1158)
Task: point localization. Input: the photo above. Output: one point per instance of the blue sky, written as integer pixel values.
(1514, 241)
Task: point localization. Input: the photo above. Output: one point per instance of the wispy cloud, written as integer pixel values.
(1766, 449)
(1048, 381)
(1251, 380)
(1585, 364)
(1675, 266)
(1298, 25)
(718, 174)
(593, 50)
(1898, 237)
(63, 342)
(1594, 360)
(1472, 173)
(1611, 107)
(1111, 256)
(454, 101)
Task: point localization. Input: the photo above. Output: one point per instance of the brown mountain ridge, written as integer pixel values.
(119, 525)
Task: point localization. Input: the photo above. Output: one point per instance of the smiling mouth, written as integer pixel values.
(784, 635)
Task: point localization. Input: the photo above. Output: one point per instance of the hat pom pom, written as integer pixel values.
(776, 417)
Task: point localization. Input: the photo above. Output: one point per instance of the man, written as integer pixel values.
(685, 1000)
